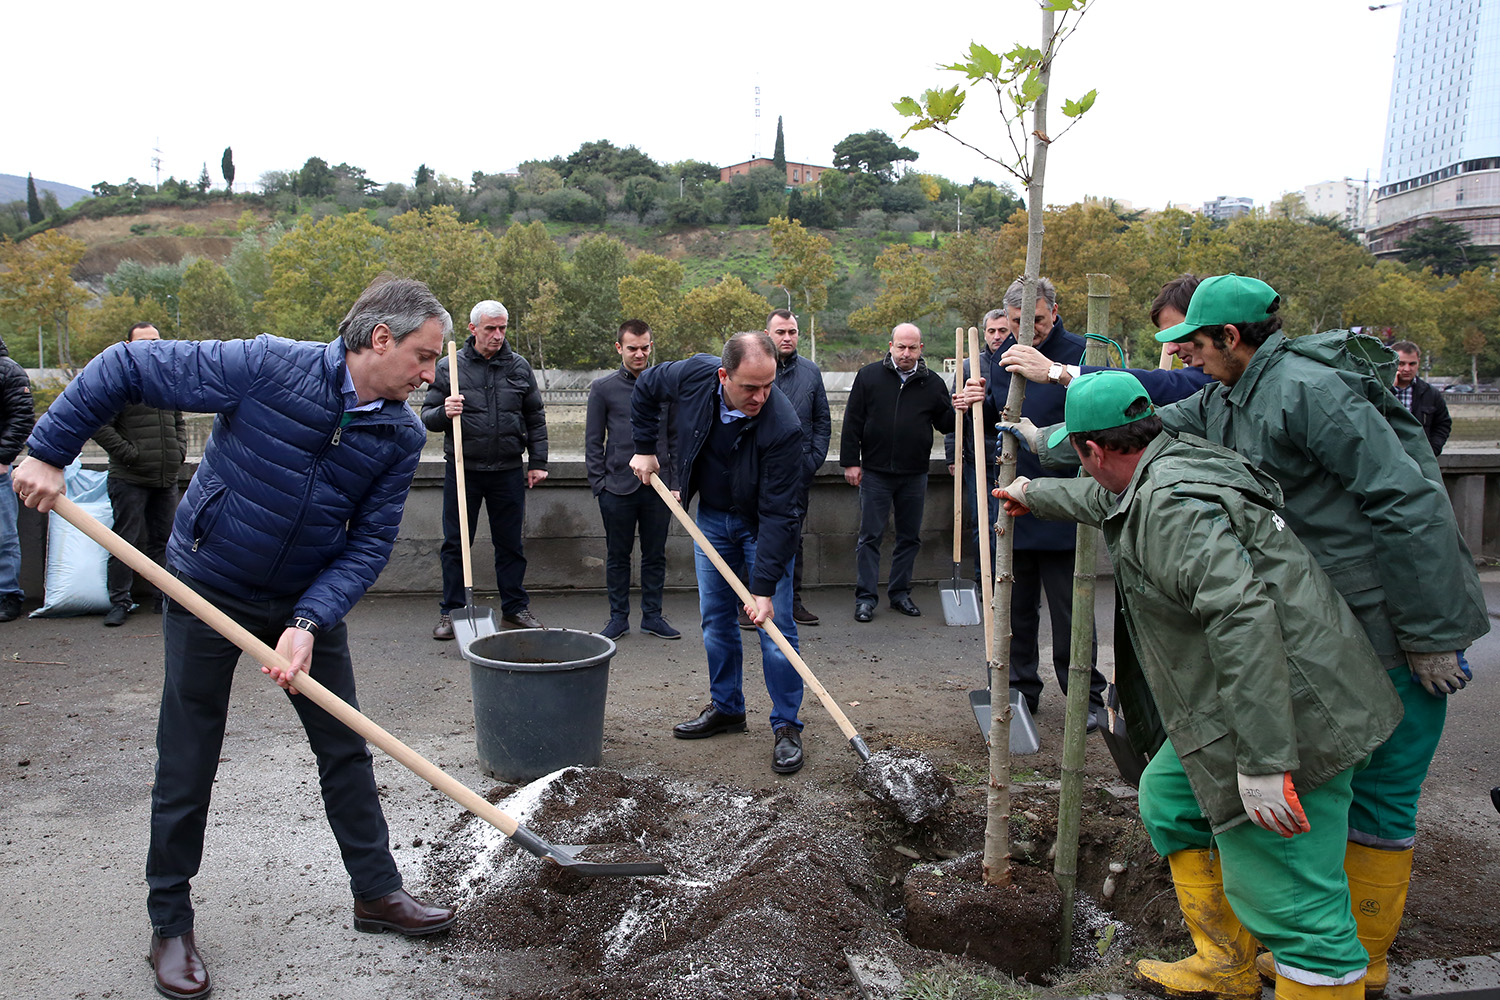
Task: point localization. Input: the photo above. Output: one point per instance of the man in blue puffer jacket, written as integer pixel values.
(289, 520)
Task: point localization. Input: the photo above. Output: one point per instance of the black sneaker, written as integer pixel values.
(802, 616)
(117, 616)
(10, 607)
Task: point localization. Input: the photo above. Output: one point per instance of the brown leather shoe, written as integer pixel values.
(400, 912)
(179, 968)
(523, 619)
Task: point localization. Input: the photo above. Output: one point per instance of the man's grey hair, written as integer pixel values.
(743, 345)
(1044, 290)
(485, 309)
(997, 313)
(402, 304)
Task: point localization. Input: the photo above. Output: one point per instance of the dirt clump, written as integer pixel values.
(906, 781)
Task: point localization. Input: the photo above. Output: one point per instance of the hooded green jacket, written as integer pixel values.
(1256, 664)
(1362, 487)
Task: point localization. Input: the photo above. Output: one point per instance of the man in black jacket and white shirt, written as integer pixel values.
(802, 383)
(1424, 401)
(894, 406)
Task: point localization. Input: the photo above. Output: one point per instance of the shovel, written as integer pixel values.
(335, 706)
(471, 621)
(1023, 734)
(905, 781)
(959, 597)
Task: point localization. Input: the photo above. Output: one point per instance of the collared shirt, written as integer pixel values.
(351, 396)
(905, 375)
(1403, 394)
(726, 415)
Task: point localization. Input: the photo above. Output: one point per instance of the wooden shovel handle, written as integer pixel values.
(958, 449)
(982, 509)
(733, 579)
(182, 594)
(458, 470)
(1165, 364)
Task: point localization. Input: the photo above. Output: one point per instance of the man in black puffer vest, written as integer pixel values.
(17, 414)
(146, 449)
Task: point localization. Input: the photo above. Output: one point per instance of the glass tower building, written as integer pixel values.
(1442, 134)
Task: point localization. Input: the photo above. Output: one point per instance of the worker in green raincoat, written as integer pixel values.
(1270, 692)
(1364, 494)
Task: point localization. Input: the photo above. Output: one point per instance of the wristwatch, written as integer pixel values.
(305, 624)
(1054, 374)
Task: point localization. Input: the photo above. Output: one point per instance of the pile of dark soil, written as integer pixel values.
(766, 891)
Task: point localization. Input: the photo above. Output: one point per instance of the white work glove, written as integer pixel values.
(1024, 431)
(1440, 673)
(1270, 800)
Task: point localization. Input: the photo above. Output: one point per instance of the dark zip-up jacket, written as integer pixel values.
(146, 446)
(294, 495)
(802, 383)
(765, 469)
(987, 359)
(1431, 411)
(888, 423)
(607, 442)
(17, 409)
(503, 415)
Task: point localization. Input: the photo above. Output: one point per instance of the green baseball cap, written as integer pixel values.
(1224, 298)
(1098, 401)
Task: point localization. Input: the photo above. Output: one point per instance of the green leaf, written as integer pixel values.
(986, 61)
(943, 105)
(1075, 108)
(1060, 5)
(1023, 55)
(1031, 87)
(908, 107)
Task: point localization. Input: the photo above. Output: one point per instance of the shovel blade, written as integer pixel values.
(960, 602)
(562, 855)
(1023, 734)
(472, 622)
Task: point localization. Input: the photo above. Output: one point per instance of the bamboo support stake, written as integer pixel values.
(1080, 663)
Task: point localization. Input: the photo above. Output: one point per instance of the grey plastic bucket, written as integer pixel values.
(538, 700)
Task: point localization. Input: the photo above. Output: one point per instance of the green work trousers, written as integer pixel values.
(1384, 812)
(1290, 892)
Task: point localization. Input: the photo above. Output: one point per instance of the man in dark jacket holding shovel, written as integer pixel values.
(739, 448)
(146, 448)
(290, 518)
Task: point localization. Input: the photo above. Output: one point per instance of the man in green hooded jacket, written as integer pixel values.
(1364, 494)
(1269, 690)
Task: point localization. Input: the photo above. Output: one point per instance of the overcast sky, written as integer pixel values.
(1197, 98)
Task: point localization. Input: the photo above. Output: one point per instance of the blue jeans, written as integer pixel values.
(719, 606)
(878, 493)
(10, 541)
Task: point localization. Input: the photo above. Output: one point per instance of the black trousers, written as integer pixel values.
(200, 666)
(504, 495)
(1039, 571)
(143, 517)
(623, 515)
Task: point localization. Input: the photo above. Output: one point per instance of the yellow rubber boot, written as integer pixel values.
(1288, 989)
(1224, 966)
(1377, 892)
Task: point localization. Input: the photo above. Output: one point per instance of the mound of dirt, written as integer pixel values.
(765, 892)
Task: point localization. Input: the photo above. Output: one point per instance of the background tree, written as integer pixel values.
(210, 307)
(907, 294)
(33, 204)
(1402, 305)
(804, 266)
(249, 267)
(973, 272)
(1443, 246)
(422, 176)
(456, 259)
(318, 269)
(204, 181)
(652, 292)
(109, 322)
(541, 324)
(590, 293)
(873, 153)
(712, 314)
(161, 282)
(226, 168)
(315, 180)
(778, 158)
(525, 257)
(37, 291)
(1472, 311)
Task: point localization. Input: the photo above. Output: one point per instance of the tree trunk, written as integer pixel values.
(1080, 665)
(997, 823)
